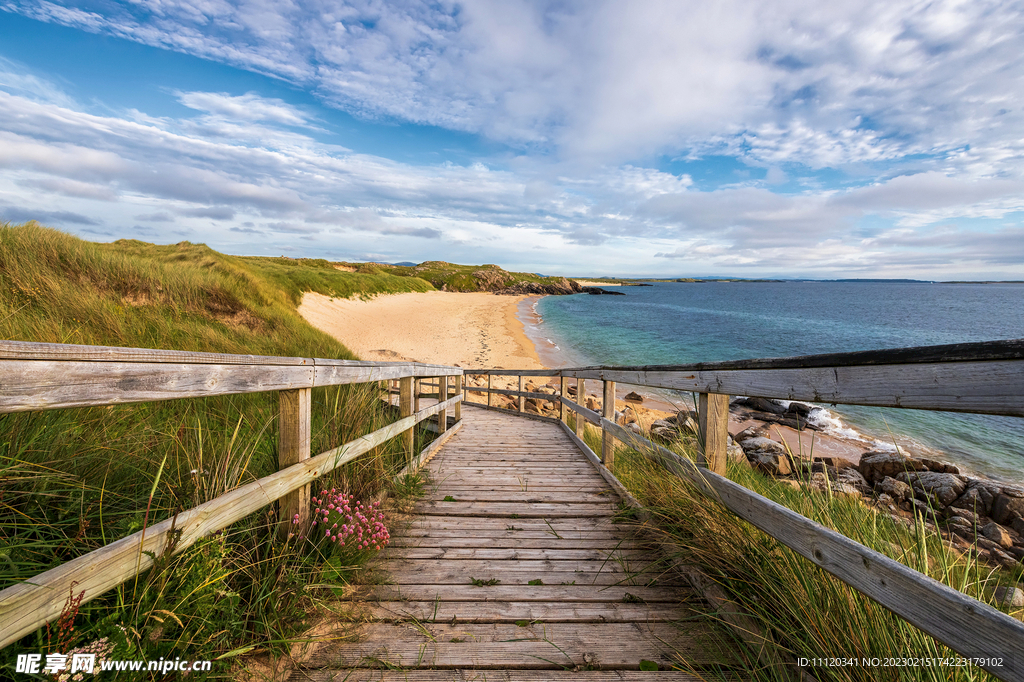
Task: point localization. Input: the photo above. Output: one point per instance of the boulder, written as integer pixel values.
(1009, 596)
(800, 409)
(634, 427)
(966, 515)
(853, 479)
(897, 490)
(592, 405)
(772, 463)
(875, 466)
(1018, 525)
(978, 498)
(756, 431)
(734, 453)
(1006, 509)
(762, 444)
(634, 397)
(763, 405)
(838, 463)
(997, 534)
(932, 465)
(941, 489)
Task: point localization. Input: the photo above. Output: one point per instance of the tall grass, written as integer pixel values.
(74, 480)
(805, 611)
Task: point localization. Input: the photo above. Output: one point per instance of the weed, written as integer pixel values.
(535, 581)
(484, 583)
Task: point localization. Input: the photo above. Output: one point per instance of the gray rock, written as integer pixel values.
(634, 397)
(1011, 491)
(959, 522)
(762, 405)
(942, 489)
(897, 490)
(1018, 525)
(853, 478)
(799, 408)
(1009, 596)
(933, 465)
(634, 427)
(841, 488)
(985, 543)
(762, 445)
(1006, 509)
(735, 453)
(1016, 552)
(875, 466)
(998, 556)
(997, 534)
(965, 514)
(751, 432)
(978, 498)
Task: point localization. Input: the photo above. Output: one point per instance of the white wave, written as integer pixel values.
(832, 425)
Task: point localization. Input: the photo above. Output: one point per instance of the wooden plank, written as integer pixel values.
(608, 412)
(405, 385)
(28, 350)
(522, 496)
(563, 391)
(562, 526)
(986, 387)
(458, 391)
(496, 675)
(28, 605)
(713, 430)
(442, 394)
(46, 385)
(293, 443)
(510, 612)
(966, 625)
(516, 510)
(613, 646)
(589, 415)
(514, 540)
(581, 397)
(521, 571)
(518, 372)
(428, 452)
(489, 398)
(510, 554)
(522, 400)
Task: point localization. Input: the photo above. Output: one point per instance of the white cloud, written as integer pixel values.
(247, 107)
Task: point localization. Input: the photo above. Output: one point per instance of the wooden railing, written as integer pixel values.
(985, 378)
(37, 376)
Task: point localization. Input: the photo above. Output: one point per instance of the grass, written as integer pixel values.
(453, 277)
(74, 480)
(807, 612)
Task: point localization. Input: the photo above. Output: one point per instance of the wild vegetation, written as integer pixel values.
(74, 480)
(804, 611)
(453, 277)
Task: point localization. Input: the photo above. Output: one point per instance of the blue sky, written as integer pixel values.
(784, 138)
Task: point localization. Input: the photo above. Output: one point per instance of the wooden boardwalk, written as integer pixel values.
(513, 568)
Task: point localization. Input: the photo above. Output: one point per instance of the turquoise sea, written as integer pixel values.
(678, 323)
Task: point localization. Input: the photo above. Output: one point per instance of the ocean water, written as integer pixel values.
(679, 323)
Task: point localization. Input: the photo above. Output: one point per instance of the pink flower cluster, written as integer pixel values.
(343, 520)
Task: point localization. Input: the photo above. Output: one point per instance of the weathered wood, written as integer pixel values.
(458, 391)
(510, 612)
(515, 540)
(44, 384)
(987, 387)
(713, 430)
(966, 625)
(515, 510)
(417, 390)
(523, 394)
(581, 399)
(608, 412)
(428, 452)
(568, 674)
(512, 553)
(404, 410)
(548, 593)
(563, 392)
(28, 350)
(293, 443)
(613, 646)
(489, 389)
(587, 414)
(522, 400)
(442, 394)
(525, 415)
(337, 372)
(30, 604)
(519, 372)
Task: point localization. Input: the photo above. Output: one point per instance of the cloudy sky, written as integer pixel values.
(661, 137)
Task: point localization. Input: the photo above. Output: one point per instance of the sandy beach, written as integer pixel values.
(464, 329)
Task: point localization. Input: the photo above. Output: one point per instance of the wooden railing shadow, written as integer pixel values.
(983, 378)
(40, 376)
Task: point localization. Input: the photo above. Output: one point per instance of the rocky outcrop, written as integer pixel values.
(875, 466)
(937, 488)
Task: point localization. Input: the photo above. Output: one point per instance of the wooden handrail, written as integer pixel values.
(49, 376)
(981, 378)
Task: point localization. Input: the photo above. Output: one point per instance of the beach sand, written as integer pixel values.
(465, 329)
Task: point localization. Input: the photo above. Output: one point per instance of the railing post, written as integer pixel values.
(457, 410)
(417, 390)
(405, 410)
(293, 438)
(489, 390)
(442, 395)
(581, 393)
(608, 412)
(563, 392)
(713, 423)
(522, 400)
